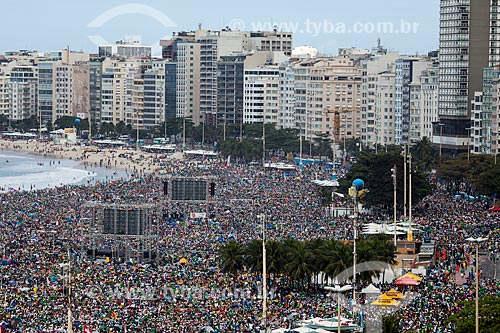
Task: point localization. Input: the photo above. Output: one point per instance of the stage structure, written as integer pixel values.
(121, 231)
(187, 195)
(182, 189)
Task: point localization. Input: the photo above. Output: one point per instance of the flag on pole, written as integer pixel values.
(228, 161)
(86, 329)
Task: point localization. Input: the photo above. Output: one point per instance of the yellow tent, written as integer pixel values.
(394, 294)
(385, 300)
(183, 261)
(411, 276)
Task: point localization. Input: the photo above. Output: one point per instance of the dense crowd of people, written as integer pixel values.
(46, 268)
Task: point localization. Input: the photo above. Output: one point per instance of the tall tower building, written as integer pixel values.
(463, 54)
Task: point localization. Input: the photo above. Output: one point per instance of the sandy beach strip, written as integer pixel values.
(131, 161)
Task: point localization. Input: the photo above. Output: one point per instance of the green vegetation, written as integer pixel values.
(489, 321)
(299, 261)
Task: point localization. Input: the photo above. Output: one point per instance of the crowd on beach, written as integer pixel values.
(45, 269)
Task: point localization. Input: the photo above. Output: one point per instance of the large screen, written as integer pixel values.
(187, 189)
(121, 221)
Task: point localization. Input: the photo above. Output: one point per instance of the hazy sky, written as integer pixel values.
(407, 26)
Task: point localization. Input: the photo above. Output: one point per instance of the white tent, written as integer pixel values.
(371, 289)
(326, 183)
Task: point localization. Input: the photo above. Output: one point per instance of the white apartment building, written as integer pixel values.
(5, 95)
(117, 86)
(24, 91)
(261, 95)
(384, 110)
(188, 81)
(63, 85)
(373, 68)
(407, 70)
(126, 48)
(286, 116)
(474, 142)
(328, 97)
(154, 95)
(423, 105)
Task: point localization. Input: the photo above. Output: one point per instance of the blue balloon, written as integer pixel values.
(77, 120)
(358, 184)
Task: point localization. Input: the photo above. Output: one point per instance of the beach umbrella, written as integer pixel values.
(394, 294)
(407, 281)
(411, 276)
(385, 300)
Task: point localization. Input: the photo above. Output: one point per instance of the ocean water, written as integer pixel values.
(22, 171)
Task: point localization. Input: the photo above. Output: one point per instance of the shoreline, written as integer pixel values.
(106, 164)
(129, 161)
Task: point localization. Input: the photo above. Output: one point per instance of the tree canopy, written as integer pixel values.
(375, 170)
(489, 321)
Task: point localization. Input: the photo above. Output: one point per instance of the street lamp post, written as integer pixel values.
(476, 242)
(410, 232)
(264, 143)
(395, 208)
(468, 143)
(241, 128)
(184, 132)
(264, 274)
(440, 140)
(357, 185)
(338, 290)
(404, 183)
(137, 131)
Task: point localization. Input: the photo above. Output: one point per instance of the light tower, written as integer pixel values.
(357, 186)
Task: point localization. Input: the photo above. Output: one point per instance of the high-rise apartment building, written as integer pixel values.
(213, 46)
(407, 71)
(188, 81)
(24, 92)
(125, 48)
(384, 129)
(117, 84)
(286, 116)
(489, 117)
(464, 51)
(261, 95)
(63, 85)
(4, 95)
(328, 97)
(170, 89)
(95, 82)
(381, 63)
(230, 83)
(154, 95)
(424, 104)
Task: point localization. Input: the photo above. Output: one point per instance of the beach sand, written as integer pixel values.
(131, 161)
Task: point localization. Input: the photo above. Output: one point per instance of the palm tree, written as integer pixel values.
(299, 261)
(390, 324)
(253, 256)
(314, 246)
(231, 255)
(424, 154)
(335, 257)
(274, 257)
(378, 249)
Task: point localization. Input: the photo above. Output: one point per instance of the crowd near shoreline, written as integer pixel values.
(40, 234)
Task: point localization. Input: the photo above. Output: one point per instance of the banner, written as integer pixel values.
(197, 215)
